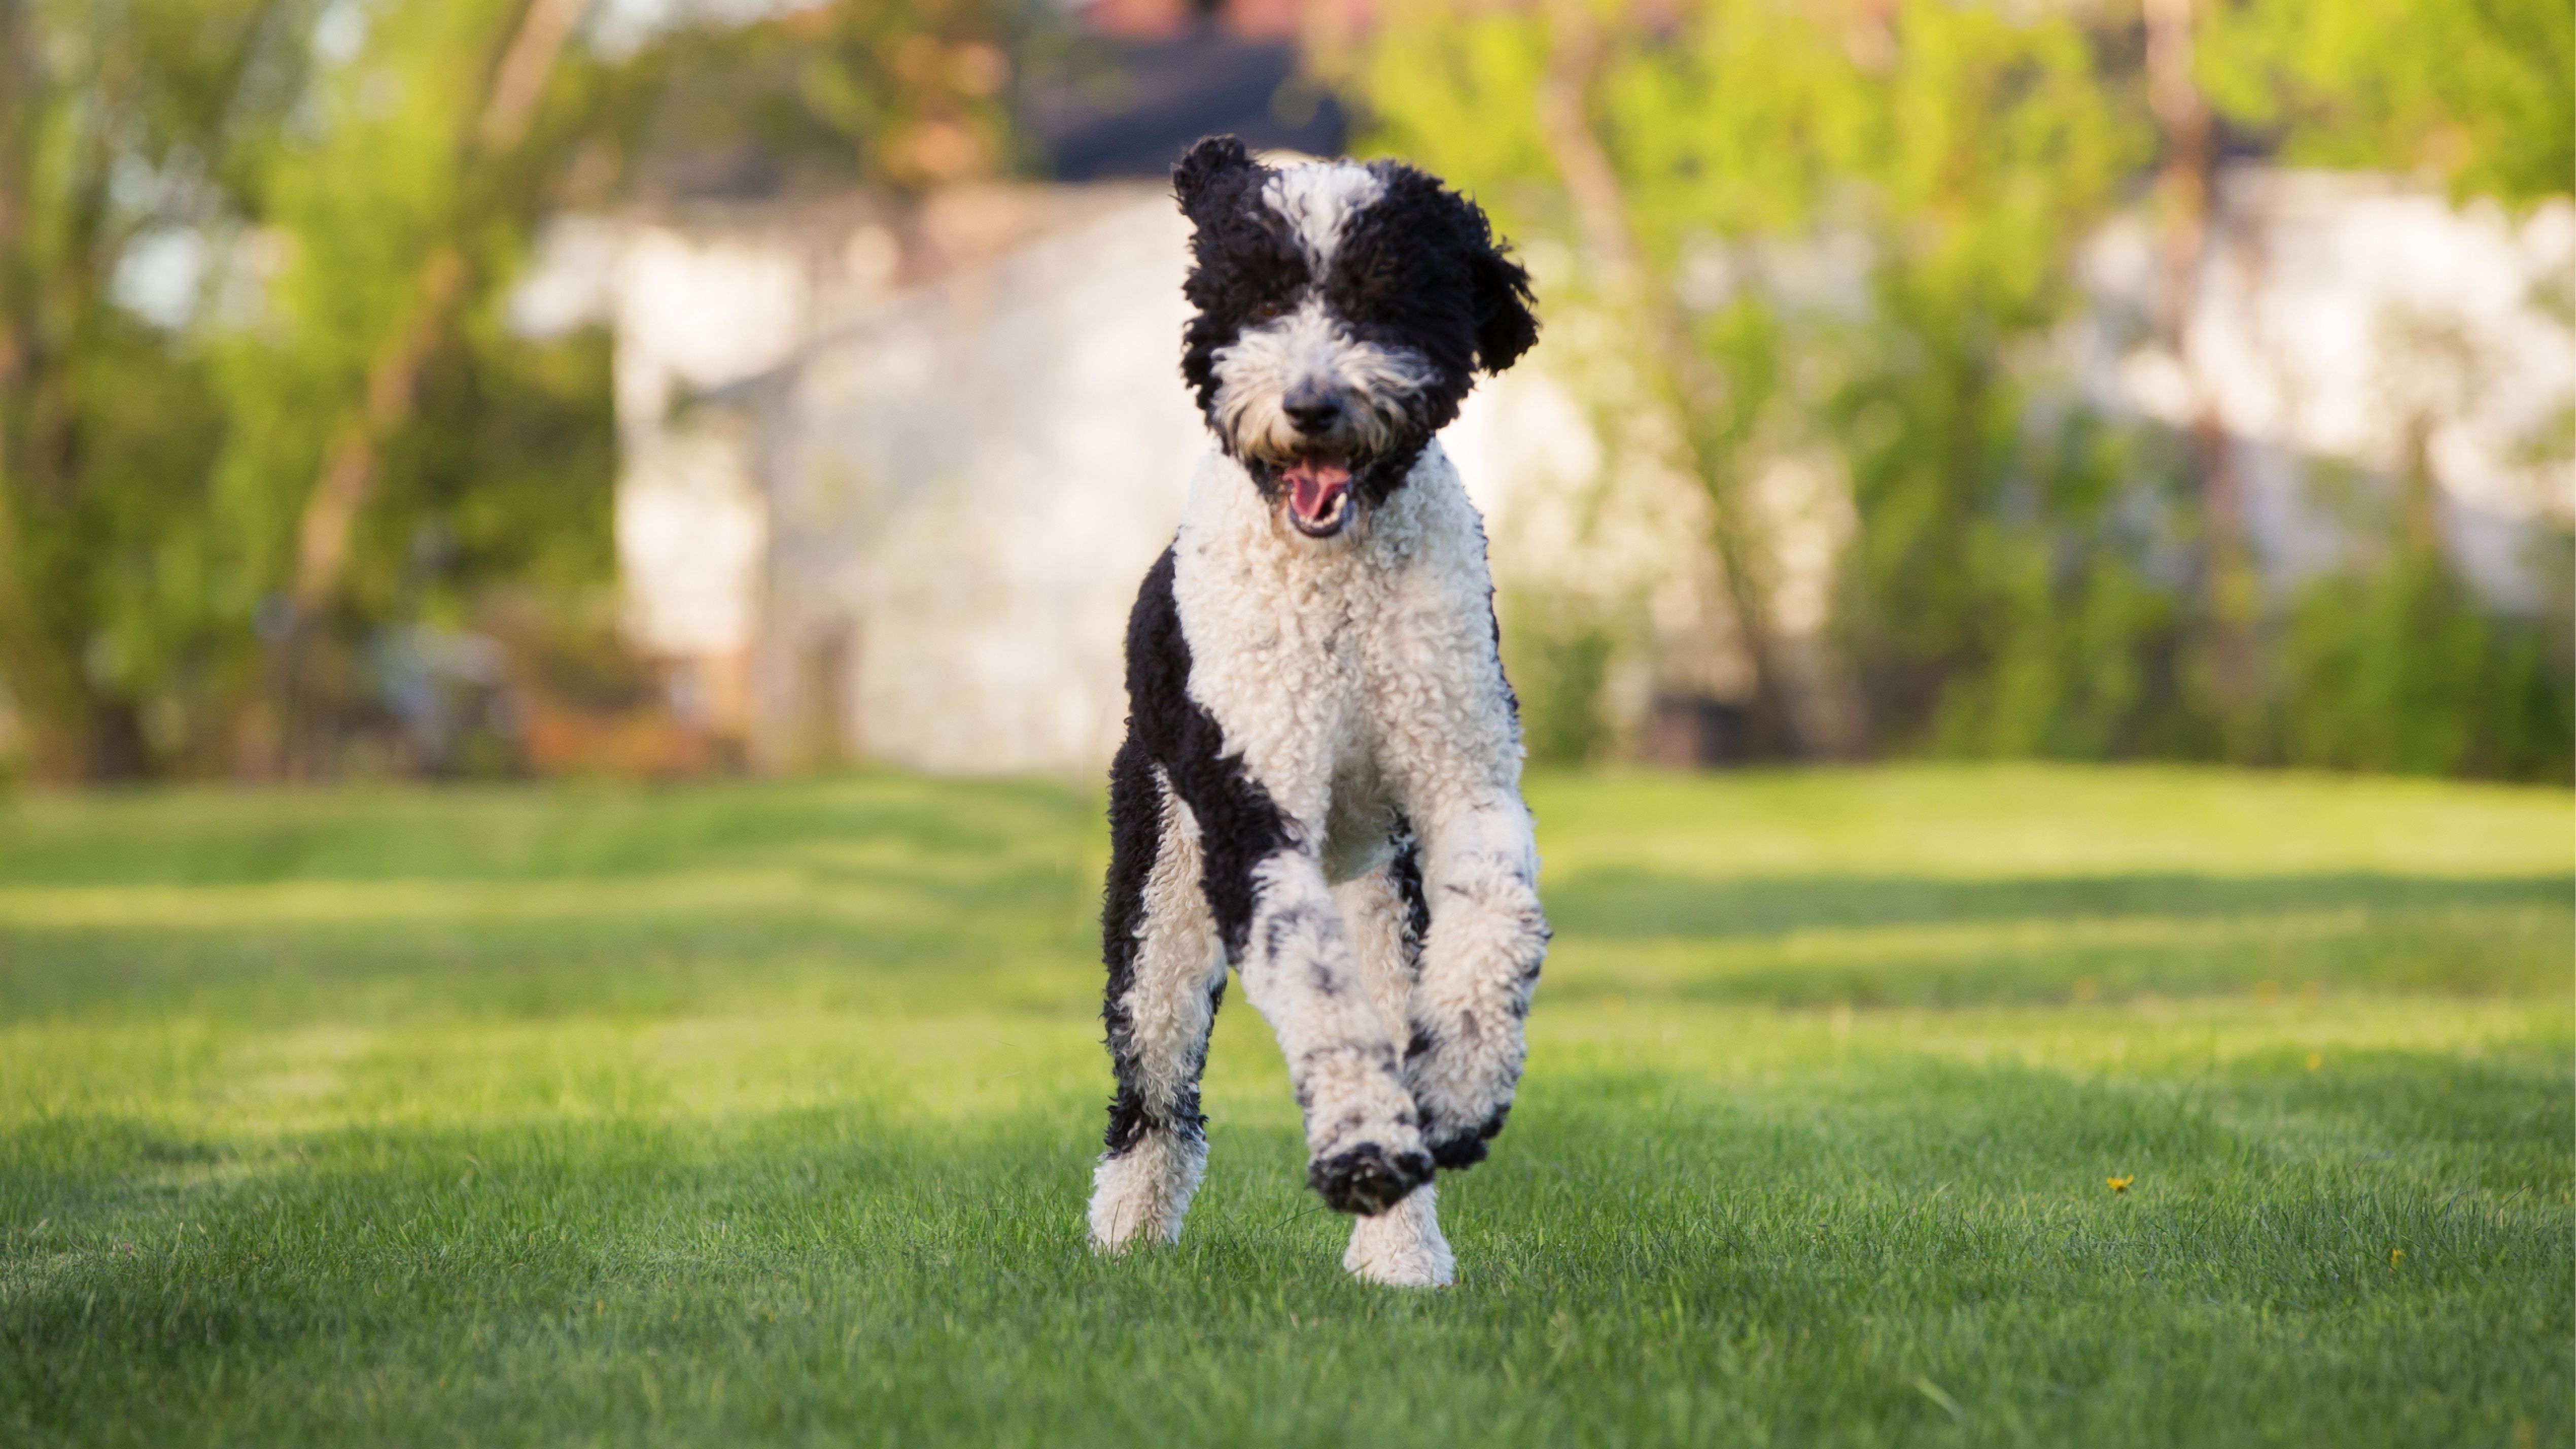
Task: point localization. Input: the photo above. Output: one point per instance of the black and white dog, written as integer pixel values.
(1321, 778)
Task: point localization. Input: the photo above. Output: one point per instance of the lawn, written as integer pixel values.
(764, 1114)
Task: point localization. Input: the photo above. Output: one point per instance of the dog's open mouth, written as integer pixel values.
(1317, 493)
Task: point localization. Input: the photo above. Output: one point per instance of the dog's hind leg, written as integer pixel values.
(1383, 910)
(1166, 974)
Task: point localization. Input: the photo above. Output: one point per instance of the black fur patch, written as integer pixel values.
(1238, 827)
(1418, 269)
(1246, 266)
(1405, 873)
(1460, 1153)
(1366, 1179)
(1135, 831)
(1239, 824)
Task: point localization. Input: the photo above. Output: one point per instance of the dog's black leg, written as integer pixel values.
(1166, 974)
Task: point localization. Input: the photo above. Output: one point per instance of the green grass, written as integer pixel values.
(764, 1114)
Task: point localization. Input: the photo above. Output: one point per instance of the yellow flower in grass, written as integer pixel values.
(2121, 1184)
(2396, 1256)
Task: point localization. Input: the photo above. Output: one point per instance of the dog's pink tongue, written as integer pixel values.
(1312, 487)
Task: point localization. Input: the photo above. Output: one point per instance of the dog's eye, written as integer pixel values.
(1268, 311)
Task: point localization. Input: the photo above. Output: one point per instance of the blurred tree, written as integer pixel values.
(2009, 586)
(2481, 93)
(450, 134)
(1964, 151)
(322, 426)
(1715, 419)
(2393, 662)
(437, 146)
(899, 94)
(2186, 180)
(131, 131)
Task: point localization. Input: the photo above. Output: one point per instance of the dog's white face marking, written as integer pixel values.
(1306, 352)
(1308, 355)
(1319, 199)
(1342, 312)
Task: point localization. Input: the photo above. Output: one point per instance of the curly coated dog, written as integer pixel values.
(1321, 778)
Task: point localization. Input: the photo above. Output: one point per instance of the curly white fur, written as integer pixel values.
(1303, 350)
(1356, 678)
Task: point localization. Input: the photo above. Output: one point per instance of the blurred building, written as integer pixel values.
(890, 474)
(889, 484)
(2345, 328)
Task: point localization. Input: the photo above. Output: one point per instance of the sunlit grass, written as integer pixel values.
(763, 1114)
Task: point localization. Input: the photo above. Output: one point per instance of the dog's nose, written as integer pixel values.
(1314, 410)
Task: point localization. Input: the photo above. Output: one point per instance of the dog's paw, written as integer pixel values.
(1143, 1194)
(1464, 1094)
(1402, 1247)
(1367, 1179)
(1400, 1265)
(1456, 1150)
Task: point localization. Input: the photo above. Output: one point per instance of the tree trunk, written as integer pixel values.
(351, 464)
(2231, 593)
(1676, 371)
(349, 471)
(47, 688)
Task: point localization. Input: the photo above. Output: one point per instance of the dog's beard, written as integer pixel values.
(1312, 478)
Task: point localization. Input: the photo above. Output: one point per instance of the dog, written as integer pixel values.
(1320, 783)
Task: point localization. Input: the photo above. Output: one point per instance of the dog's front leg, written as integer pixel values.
(1479, 964)
(1363, 1139)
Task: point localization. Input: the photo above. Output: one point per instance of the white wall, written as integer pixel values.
(2334, 311)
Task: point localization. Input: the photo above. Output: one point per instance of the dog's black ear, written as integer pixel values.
(1198, 179)
(1498, 287)
(1505, 326)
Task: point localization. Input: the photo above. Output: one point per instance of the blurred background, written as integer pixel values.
(637, 387)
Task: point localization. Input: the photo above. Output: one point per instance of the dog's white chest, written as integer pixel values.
(1317, 661)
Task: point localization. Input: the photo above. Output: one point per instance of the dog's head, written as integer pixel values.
(1343, 311)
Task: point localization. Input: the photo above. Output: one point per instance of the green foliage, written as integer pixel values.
(507, 456)
(1558, 660)
(2401, 669)
(118, 122)
(907, 94)
(153, 473)
(153, 479)
(1972, 144)
(2479, 92)
(507, 480)
(1454, 95)
(1986, 603)
(2045, 633)
(2018, 581)
(764, 1114)
(123, 574)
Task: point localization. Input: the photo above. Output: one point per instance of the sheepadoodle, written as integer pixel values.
(1321, 779)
